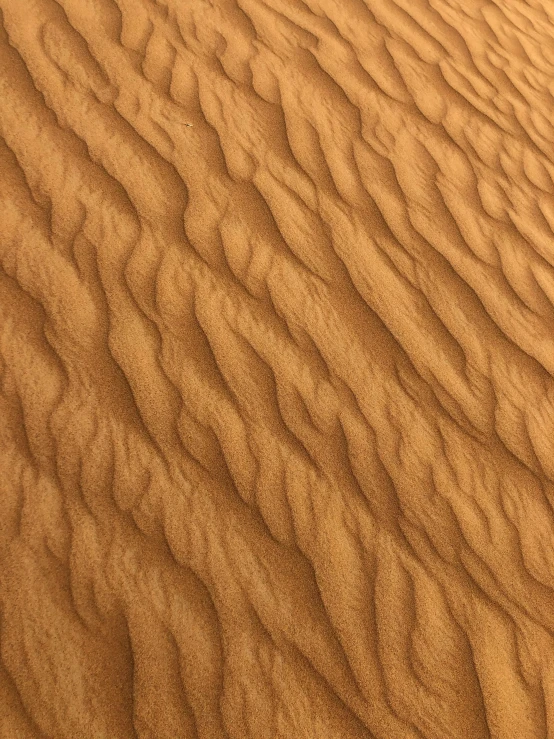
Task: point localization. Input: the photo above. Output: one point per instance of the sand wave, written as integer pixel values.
(276, 359)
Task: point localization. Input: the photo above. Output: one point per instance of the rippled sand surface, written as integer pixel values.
(276, 369)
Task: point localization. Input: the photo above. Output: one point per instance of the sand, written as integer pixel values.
(276, 369)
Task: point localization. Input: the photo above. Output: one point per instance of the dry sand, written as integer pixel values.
(276, 369)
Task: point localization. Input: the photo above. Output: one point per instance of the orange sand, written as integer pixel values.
(276, 369)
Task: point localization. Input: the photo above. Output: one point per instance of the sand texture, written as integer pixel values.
(276, 369)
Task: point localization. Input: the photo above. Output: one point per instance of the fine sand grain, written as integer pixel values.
(276, 369)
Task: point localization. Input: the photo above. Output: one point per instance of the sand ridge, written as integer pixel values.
(276, 360)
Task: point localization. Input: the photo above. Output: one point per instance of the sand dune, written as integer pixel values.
(276, 369)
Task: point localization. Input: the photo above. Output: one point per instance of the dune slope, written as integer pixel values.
(276, 369)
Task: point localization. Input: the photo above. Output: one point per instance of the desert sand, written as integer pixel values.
(276, 369)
